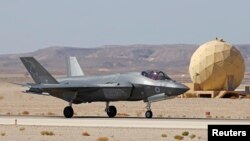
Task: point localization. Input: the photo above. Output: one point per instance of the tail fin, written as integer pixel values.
(74, 68)
(39, 74)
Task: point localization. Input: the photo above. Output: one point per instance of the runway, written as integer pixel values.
(116, 122)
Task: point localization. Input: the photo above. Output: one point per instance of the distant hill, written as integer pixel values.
(108, 59)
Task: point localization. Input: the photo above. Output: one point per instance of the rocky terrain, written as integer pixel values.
(174, 59)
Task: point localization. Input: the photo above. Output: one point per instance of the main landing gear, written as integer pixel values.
(149, 113)
(68, 111)
(110, 110)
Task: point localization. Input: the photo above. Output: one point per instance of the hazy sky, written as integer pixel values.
(28, 25)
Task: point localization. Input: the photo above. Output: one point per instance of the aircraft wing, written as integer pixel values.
(23, 84)
(70, 87)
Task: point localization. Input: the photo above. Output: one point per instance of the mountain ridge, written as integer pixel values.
(173, 58)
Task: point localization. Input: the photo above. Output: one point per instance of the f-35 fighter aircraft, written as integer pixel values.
(149, 86)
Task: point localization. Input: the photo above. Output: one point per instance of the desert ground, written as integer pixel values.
(14, 102)
(43, 133)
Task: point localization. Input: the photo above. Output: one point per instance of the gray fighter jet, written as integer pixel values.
(149, 86)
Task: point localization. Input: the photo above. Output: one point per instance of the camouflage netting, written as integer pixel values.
(217, 65)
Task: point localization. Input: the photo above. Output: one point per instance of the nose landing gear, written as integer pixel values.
(149, 113)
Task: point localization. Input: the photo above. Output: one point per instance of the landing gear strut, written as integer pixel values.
(149, 113)
(68, 111)
(110, 110)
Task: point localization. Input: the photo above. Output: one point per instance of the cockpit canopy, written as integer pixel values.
(155, 75)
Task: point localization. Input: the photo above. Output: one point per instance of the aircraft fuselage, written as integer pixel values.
(118, 87)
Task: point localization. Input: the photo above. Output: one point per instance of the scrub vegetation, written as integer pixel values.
(122, 114)
(185, 133)
(50, 114)
(47, 133)
(25, 113)
(21, 129)
(192, 136)
(102, 139)
(3, 134)
(178, 137)
(85, 133)
(164, 135)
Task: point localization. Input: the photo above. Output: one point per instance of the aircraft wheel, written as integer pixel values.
(68, 112)
(111, 111)
(149, 114)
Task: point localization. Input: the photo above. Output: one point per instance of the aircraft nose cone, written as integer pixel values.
(182, 88)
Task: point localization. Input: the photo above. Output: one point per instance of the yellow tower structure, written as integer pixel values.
(217, 65)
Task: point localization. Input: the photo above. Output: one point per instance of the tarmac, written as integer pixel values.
(117, 122)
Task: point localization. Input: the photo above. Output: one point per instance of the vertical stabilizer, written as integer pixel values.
(74, 68)
(39, 74)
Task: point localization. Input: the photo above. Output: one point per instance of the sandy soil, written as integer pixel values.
(34, 133)
(14, 102)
